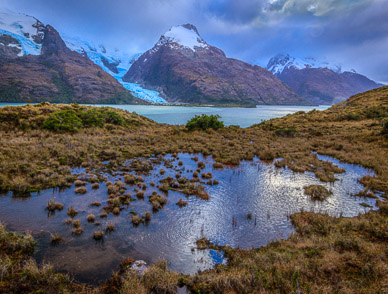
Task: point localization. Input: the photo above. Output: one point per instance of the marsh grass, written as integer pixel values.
(77, 231)
(320, 243)
(98, 236)
(181, 203)
(52, 206)
(136, 220)
(80, 190)
(317, 192)
(72, 212)
(147, 216)
(91, 218)
(56, 239)
(324, 255)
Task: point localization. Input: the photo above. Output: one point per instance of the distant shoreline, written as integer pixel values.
(165, 104)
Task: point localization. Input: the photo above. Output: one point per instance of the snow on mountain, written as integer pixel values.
(278, 63)
(97, 53)
(27, 30)
(114, 62)
(180, 36)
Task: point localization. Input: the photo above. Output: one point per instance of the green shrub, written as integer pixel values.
(72, 120)
(286, 132)
(204, 122)
(63, 121)
(92, 117)
(352, 116)
(112, 117)
(376, 112)
(385, 128)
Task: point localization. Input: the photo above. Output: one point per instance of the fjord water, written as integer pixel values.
(179, 115)
(254, 187)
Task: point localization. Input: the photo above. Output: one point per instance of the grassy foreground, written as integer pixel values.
(39, 144)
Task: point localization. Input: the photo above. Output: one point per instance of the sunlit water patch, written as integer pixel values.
(269, 194)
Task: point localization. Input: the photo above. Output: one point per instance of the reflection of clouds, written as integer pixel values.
(268, 193)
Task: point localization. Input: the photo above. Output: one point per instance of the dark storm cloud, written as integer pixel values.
(352, 32)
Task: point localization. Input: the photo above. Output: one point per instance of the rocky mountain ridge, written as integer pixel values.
(184, 68)
(319, 82)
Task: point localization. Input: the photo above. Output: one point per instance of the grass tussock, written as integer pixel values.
(317, 192)
(91, 218)
(136, 220)
(56, 239)
(72, 212)
(98, 236)
(80, 190)
(181, 203)
(52, 206)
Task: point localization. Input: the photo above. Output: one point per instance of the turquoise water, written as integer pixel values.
(178, 115)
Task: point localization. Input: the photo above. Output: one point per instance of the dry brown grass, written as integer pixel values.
(325, 255)
(317, 192)
(340, 255)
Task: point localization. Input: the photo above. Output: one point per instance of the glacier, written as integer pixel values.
(122, 60)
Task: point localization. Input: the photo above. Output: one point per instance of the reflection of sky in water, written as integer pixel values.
(216, 256)
(269, 194)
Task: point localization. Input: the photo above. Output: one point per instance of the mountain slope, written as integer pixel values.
(36, 65)
(184, 68)
(319, 82)
(114, 62)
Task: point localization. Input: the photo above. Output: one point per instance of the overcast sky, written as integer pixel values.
(353, 33)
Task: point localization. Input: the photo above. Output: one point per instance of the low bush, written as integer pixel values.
(72, 120)
(291, 132)
(204, 122)
(63, 121)
(352, 116)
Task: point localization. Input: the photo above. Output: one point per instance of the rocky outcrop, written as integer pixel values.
(184, 68)
(111, 66)
(9, 47)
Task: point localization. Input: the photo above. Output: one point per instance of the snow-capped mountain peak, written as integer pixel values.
(280, 62)
(186, 36)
